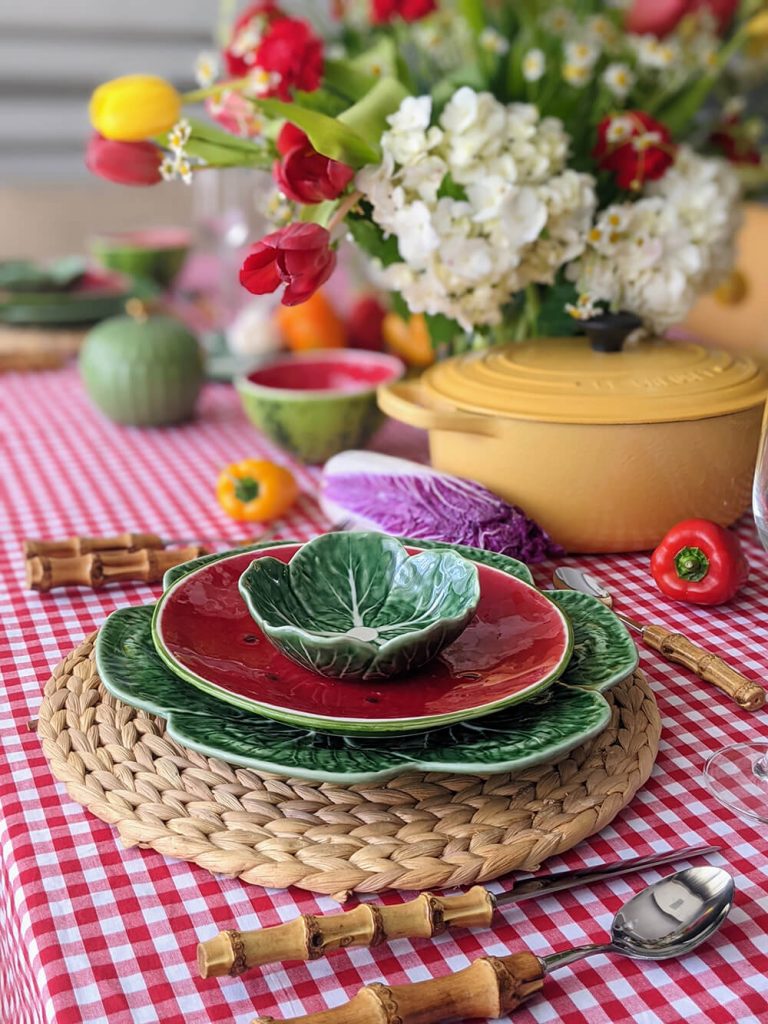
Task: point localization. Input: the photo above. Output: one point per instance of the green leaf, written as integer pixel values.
(399, 305)
(552, 320)
(368, 117)
(202, 131)
(442, 330)
(323, 100)
(451, 189)
(224, 156)
(378, 61)
(473, 13)
(328, 135)
(346, 78)
(318, 213)
(370, 238)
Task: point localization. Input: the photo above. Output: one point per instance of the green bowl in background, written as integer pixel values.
(318, 403)
(149, 254)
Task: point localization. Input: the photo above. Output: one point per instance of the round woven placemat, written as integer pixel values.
(415, 831)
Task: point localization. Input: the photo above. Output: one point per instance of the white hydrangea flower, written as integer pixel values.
(657, 255)
(512, 216)
(410, 136)
(534, 65)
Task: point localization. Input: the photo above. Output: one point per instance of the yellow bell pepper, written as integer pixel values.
(255, 490)
(134, 107)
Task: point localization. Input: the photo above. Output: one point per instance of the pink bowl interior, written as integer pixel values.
(323, 375)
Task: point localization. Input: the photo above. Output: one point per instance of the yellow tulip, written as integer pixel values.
(134, 107)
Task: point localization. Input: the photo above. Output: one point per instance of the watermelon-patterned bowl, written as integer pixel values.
(316, 404)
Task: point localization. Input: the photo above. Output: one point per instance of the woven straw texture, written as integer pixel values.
(415, 831)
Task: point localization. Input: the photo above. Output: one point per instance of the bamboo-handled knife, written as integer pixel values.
(308, 937)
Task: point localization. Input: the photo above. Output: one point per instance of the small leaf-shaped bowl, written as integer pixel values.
(358, 606)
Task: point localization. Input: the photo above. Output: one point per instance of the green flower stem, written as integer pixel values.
(345, 207)
(198, 95)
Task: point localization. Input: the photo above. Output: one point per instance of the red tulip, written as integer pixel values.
(126, 163)
(298, 256)
(303, 174)
(634, 147)
(383, 11)
(292, 50)
(247, 32)
(660, 17)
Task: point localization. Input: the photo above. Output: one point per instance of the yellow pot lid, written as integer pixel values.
(562, 380)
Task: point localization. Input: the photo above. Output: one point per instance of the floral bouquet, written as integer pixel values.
(511, 169)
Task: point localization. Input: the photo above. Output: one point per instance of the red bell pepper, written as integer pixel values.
(699, 562)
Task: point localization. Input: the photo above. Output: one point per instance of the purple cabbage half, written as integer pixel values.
(379, 492)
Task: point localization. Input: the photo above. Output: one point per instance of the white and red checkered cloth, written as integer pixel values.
(92, 932)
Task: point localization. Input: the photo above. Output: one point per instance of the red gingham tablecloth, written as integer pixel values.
(92, 932)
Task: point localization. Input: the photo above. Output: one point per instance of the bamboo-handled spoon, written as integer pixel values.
(710, 668)
(668, 919)
(308, 937)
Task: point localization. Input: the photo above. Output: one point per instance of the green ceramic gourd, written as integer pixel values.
(144, 371)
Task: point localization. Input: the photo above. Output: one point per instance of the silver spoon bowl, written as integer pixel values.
(668, 919)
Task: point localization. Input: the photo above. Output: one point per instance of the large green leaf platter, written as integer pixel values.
(540, 730)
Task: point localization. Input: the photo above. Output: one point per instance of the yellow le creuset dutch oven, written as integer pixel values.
(605, 450)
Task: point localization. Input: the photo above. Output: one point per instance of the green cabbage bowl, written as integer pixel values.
(358, 606)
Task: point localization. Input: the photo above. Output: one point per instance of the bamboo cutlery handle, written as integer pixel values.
(307, 937)
(709, 667)
(489, 987)
(95, 570)
(72, 547)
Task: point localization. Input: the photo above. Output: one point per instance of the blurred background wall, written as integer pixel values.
(52, 55)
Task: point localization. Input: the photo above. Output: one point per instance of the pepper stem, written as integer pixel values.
(246, 489)
(691, 564)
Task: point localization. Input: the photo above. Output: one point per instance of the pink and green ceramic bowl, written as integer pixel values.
(152, 254)
(316, 404)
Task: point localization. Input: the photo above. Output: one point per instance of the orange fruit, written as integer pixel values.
(409, 339)
(313, 324)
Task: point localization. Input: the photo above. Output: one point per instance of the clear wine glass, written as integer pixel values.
(737, 775)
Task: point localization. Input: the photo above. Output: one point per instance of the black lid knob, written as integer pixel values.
(607, 333)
